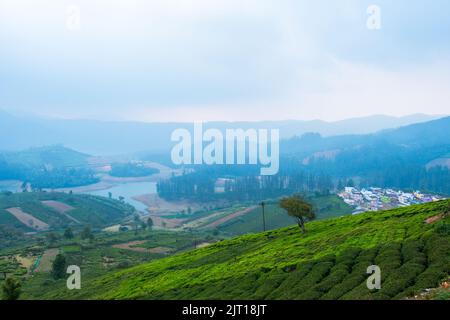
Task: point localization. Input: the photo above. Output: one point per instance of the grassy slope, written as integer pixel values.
(327, 206)
(329, 262)
(99, 257)
(57, 156)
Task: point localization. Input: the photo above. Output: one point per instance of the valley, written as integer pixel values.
(194, 151)
(142, 228)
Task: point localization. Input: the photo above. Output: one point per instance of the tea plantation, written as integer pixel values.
(328, 262)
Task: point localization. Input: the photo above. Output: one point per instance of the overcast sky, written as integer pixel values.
(185, 60)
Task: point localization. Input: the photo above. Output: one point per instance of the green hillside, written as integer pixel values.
(83, 209)
(329, 262)
(47, 167)
(55, 156)
(327, 206)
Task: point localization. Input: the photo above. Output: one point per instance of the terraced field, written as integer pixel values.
(27, 219)
(39, 211)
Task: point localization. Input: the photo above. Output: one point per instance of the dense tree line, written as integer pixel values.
(131, 170)
(435, 179)
(60, 178)
(201, 185)
(42, 177)
(388, 166)
(381, 165)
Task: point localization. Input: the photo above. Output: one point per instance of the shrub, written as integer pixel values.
(291, 280)
(59, 267)
(334, 278)
(430, 278)
(401, 279)
(358, 293)
(411, 249)
(319, 271)
(268, 284)
(443, 229)
(349, 283)
(311, 294)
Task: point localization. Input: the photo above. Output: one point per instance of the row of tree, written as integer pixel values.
(202, 186)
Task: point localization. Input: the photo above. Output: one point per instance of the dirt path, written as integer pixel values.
(132, 246)
(45, 264)
(229, 217)
(27, 219)
(26, 262)
(434, 218)
(204, 221)
(157, 205)
(61, 208)
(160, 221)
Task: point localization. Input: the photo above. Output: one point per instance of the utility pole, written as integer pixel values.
(263, 215)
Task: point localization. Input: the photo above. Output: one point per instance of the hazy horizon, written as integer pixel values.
(413, 116)
(169, 61)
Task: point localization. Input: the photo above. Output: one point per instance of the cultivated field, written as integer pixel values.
(61, 208)
(45, 263)
(28, 220)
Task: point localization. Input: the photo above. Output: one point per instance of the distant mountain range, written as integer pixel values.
(107, 138)
(420, 135)
(413, 156)
(410, 157)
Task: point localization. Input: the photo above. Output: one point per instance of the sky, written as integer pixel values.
(234, 60)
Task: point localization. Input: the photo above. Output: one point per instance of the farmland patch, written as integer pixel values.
(27, 219)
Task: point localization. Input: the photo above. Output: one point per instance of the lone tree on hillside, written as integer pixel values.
(298, 208)
(68, 233)
(11, 289)
(59, 267)
(137, 222)
(150, 223)
(52, 237)
(86, 233)
(447, 214)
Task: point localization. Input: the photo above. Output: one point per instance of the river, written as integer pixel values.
(128, 191)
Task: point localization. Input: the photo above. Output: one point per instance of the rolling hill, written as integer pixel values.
(47, 167)
(54, 156)
(41, 211)
(410, 157)
(420, 135)
(328, 262)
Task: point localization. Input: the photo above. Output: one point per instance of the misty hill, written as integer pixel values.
(408, 158)
(329, 262)
(47, 167)
(42, 211)
(106, 138)
(54, 156)
(392, 158)
(422, 135)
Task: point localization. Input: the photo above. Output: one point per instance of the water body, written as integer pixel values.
(128, 191)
